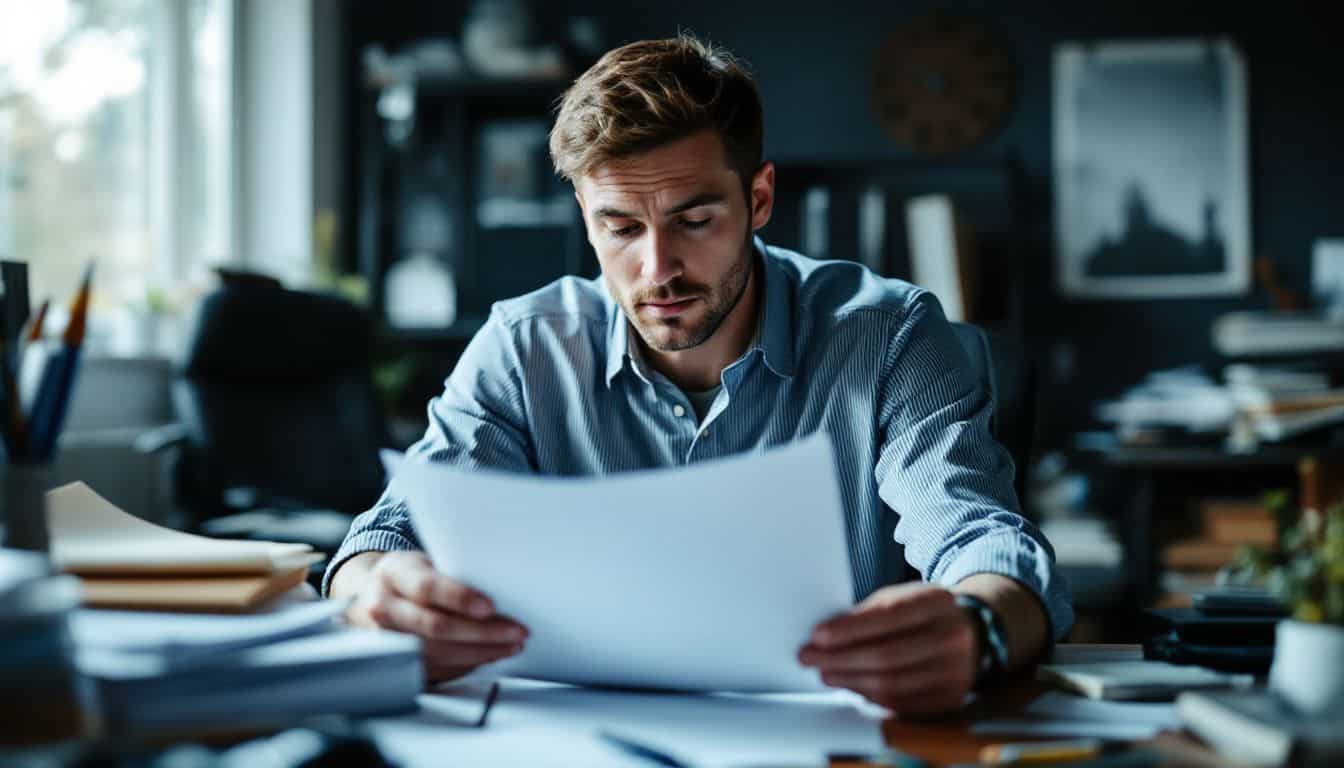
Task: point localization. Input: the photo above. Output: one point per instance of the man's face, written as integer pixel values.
(672, 231)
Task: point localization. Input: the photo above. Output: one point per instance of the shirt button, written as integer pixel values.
(678, 411)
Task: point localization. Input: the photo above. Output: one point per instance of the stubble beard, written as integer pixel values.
(672, 334)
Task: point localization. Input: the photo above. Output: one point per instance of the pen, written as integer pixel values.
(641, 750)
(58, 378)
(489, 702)
(1043, 752)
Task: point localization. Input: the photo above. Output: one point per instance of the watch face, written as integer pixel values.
(942, 83)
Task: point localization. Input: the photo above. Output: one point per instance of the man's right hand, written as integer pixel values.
(403, 592)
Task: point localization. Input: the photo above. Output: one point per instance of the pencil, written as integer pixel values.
(35, 326)
(58, 378)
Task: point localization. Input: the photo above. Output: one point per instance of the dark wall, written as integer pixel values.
(813, 64)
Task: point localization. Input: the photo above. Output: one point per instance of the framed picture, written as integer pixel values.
(1150, 147)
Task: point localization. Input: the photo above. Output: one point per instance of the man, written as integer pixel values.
(700, 341)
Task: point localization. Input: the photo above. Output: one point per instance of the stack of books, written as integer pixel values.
(185, 634)
(123, 561)
(177, 673)
(1275, 404)
(1226, 526)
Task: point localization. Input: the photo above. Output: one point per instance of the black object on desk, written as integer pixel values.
(1232, 642)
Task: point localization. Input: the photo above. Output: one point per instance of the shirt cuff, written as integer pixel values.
(1022, 559)
(371, 540)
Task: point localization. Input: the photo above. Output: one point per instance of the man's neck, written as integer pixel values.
(700, 368)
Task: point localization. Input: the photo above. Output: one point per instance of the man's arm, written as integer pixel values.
(1026, 629)
(911, 647)
(478, 421)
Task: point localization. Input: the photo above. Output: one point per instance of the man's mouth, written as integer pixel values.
(668, 307)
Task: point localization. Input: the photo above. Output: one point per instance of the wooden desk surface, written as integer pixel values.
(948, 741)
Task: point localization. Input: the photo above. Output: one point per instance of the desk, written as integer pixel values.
(950, 742)
(426, 737)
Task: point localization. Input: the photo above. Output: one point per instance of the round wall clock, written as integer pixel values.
(942, 83)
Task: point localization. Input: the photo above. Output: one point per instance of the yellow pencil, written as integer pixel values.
(1041, 753)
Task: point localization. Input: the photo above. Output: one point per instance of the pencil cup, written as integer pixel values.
(23, 515)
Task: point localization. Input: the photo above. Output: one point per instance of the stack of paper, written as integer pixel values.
(190, 672)
(127, 562)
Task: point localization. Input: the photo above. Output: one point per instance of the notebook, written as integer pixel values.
(91, 536)
(1257, 728)
(215, 594)
(1122, 680)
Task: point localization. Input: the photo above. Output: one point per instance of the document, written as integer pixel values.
(708, 577)
(541, 724)
(91, 536)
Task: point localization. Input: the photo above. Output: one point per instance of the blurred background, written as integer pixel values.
(1143, 198)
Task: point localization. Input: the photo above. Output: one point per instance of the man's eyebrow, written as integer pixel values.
(709, 198)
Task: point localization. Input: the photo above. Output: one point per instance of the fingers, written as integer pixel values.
(888, 611)
(448, 660)
(393, 612)
(894, 653)
(938, 685)
(411, 575)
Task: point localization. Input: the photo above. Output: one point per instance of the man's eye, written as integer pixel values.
(690, 224)
(625, 231)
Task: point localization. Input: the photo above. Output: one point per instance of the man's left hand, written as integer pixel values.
(908, 647)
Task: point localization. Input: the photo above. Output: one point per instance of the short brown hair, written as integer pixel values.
(646, 94)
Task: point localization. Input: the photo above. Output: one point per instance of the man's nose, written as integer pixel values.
(661, 265)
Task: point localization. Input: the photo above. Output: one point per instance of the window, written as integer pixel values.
(116, 146)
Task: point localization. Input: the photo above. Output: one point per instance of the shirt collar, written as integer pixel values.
(774, 330)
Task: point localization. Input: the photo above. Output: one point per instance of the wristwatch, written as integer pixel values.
(990, 637)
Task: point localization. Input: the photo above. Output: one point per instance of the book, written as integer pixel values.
(1251, 333)
(1135, 680)
(91, 536)
(223, 594)
(1201, 554)
(343, 671)
(1237, 521)
(940, 258)
(1257, 728)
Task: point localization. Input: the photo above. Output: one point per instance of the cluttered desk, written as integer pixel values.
(116, 652)
(126, 643)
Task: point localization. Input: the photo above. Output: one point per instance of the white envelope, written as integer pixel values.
(706, 577)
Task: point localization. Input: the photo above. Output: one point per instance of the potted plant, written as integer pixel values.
(1306, 570)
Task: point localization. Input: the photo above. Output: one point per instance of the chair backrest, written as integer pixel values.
(276, 394)
(1001, 365)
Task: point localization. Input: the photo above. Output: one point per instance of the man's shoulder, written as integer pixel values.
(835, 289)
(569, 302)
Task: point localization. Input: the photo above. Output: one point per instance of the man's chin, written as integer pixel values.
(671, 339)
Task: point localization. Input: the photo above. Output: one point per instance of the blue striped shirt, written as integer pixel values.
(553, 384)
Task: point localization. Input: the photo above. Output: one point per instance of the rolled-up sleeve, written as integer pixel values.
(945, 476)
(480, 420)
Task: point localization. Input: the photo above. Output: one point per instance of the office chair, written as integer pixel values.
(280, 424)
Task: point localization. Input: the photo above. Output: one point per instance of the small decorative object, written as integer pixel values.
(1151, 196)
(421, 293)
(496, 36)
(942, 83)
(1306, 570)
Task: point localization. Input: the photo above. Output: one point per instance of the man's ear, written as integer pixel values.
(762, 195)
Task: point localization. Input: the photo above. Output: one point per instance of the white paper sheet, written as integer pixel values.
(180, 638)
(541, 724)
(1066, 728)
(90, 535)
(1063, 706)
(709, 577)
